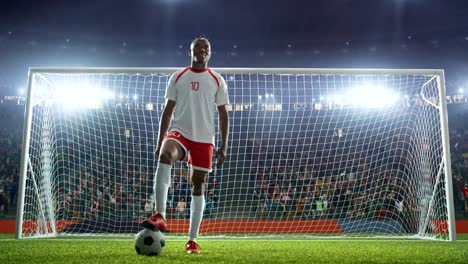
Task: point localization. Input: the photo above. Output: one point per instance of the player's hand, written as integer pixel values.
(220, 156)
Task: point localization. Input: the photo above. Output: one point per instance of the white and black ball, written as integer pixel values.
(149, 242)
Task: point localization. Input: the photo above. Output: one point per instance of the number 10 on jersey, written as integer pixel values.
(195, 86)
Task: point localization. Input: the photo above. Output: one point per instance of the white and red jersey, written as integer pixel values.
(197, 94)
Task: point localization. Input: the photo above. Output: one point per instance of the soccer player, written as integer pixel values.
(192, 95)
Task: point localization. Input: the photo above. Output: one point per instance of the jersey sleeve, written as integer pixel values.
(171, 93)
(222, 97)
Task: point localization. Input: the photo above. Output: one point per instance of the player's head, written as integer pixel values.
(200, 50)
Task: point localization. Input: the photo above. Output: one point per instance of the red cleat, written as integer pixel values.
(156, 222)
(192, 247)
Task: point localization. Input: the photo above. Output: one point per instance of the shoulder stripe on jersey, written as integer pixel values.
(180, 74)
(214, 77)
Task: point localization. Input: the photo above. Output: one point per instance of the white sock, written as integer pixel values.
(196, 214)
(161, 186)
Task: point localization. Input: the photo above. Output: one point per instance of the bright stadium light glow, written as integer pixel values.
(460, 90)
(372, 96)
(338, 99)
(76, 96)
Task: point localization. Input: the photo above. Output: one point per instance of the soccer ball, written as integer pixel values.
(149, 242)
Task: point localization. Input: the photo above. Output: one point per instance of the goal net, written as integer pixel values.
(312, 152)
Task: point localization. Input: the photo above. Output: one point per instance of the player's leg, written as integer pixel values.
(171, 151)
(197, 206)
(200, 160)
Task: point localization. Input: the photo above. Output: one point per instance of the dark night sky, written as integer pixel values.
(244, 33)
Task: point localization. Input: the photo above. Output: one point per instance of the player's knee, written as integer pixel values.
(197, 190)
(167, 157)
(198, 186)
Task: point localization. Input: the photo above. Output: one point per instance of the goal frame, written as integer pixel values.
(439, 73)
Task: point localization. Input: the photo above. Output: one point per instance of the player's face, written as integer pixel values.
(200, 51)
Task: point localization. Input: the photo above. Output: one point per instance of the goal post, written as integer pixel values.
(446, 155)
(313, 153)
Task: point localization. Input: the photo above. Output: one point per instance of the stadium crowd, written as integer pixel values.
(113, 181)
(459, 158)
(366, 177)
(11, 120)
(111, 175)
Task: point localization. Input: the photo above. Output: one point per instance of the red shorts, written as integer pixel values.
(200, 154)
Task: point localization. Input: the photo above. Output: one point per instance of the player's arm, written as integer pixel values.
(223, 122)
(165, 122)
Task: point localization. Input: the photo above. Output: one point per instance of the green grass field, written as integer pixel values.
(104, 250)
